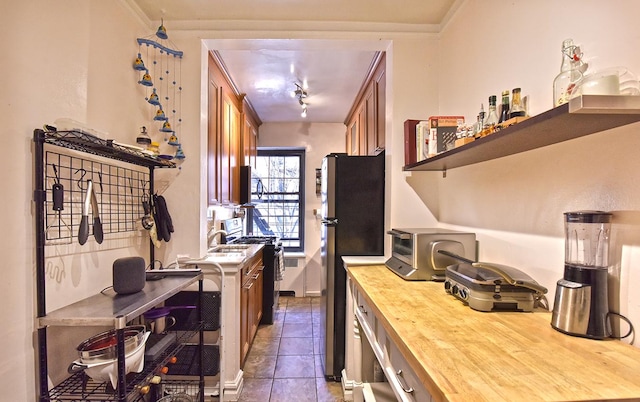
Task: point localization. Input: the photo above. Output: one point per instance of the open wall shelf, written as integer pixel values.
(584, 115)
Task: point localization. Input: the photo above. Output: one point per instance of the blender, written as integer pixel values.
(581, 305)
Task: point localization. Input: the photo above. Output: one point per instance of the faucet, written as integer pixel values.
(211, 237)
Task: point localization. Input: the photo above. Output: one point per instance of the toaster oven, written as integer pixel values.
(415, 256)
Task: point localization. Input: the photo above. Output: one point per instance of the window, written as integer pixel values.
(277, 191)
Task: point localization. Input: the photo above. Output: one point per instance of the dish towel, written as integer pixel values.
(279, 271)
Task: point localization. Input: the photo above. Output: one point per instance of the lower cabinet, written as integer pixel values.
(252, 286)
(381, 373)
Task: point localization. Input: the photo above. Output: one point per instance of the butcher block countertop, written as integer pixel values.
(460, 354)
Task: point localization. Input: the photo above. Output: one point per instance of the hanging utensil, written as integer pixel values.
(90, 201)
(147, 220)
(58, 192)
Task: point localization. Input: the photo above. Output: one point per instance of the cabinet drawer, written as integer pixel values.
(410, 386)
(367, 313)
(378, 392)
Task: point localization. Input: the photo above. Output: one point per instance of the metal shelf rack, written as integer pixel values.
(122, 186)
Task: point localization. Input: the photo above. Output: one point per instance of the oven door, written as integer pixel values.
(402, 246)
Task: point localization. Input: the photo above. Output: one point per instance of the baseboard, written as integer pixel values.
(314, 293)
(232, 389)
(347, 387)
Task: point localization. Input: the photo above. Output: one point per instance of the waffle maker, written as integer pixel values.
(492, 287)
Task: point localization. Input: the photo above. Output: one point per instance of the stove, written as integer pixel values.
(273, 260)
(267, 240)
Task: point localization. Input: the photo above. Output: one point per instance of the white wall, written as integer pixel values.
(64, 59)
(516, 204)
(73, 59)
(318, 139)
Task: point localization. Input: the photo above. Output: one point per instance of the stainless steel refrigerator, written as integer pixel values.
(352, 224)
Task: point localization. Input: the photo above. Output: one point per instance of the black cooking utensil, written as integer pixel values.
(58, 192)
(83, 231)
(98, 234)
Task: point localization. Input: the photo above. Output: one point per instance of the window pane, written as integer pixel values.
(281, 172)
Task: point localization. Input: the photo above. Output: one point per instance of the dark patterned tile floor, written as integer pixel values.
(284, 363)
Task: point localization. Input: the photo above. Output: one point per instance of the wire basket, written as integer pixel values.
(179, 391)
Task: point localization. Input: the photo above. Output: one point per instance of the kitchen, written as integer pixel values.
(59, 65)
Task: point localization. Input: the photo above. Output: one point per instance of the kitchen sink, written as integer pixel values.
(229, 248)
(232, 254)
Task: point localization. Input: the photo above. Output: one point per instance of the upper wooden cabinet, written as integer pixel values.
(366, 121)
(249, 136)
(232, 135)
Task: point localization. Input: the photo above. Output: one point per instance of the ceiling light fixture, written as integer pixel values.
(301, 94)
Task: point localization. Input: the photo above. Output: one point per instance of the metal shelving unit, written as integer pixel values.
(583, 115)
(126, 186)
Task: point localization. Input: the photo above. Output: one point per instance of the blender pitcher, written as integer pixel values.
(581, 307)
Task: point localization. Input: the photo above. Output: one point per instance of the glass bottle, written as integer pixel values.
(492, 116)
(479, 123)
(143, 138)
(571, 71)
(517, 108)
(504, 107)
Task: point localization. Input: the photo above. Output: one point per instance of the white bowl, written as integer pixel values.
(609, 81)
(108, 370)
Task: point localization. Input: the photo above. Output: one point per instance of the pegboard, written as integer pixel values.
(119, 192)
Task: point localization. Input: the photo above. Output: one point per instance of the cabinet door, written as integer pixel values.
(235, 154)
(245, 291)
(225, 152)
(249, 143)
(230, 152)
(353, 136)
(256, 300)
(369, 121)
(213, 142)
(380, 96)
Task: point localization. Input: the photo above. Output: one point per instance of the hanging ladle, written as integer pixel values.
(147, 220)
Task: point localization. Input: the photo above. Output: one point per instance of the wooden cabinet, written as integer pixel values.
(366, 121)
(250, 304)
(249, 145)
(353, 135)
(380, 91)
(381, 372)
(232, 135)
(229, 151)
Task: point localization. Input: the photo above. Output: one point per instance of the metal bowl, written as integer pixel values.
(103, 346)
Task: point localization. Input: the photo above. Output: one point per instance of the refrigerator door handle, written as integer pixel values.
(329, 221)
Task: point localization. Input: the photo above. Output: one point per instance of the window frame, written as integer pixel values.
(300, 153)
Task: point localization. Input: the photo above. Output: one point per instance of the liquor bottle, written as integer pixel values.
(517, 108)
(492, 116)
(571, 71)
(504, 107)
(479, 123)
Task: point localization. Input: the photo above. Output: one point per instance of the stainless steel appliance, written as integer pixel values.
(415, 256)
(492, 287)
(352, 191)
(273, 260)
(581, 304)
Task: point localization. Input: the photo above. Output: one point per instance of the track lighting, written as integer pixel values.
(301, 94)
